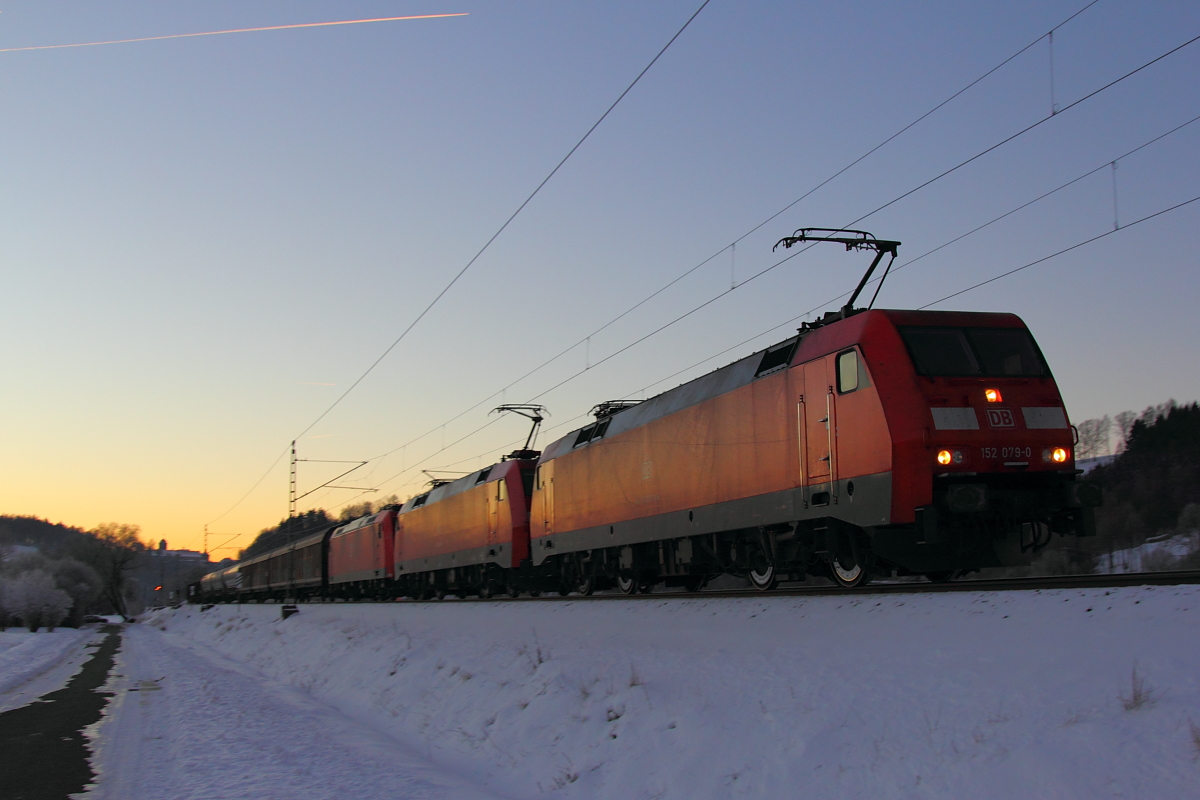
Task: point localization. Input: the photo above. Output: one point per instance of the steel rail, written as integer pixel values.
(1050, 582)
(1103, 581)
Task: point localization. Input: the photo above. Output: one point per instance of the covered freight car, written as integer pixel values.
(296, 570)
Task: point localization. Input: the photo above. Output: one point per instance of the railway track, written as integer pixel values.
(1175, 578)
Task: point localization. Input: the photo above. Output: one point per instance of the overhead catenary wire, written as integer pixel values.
(993, 279)
(772, 267)
(832, 300)
(927, 305)
(507, 222)
(732, 246)
(903, 196)
(1124, 227)
(483, 249)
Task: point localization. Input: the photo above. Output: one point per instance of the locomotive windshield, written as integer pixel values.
(974, 352)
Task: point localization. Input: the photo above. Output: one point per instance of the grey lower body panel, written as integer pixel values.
(498, 554)
(864, 501)
(356, 576)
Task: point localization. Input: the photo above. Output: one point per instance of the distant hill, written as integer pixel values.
(53, 539)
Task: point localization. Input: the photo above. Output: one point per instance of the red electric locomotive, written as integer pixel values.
(362, 556)
(873, 442)
(467, 536)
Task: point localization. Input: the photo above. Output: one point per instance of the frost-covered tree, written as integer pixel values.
(34, 598)
(82, 583)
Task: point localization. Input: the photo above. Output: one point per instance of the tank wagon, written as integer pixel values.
(874, 442)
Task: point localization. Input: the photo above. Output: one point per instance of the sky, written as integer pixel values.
(205, 242)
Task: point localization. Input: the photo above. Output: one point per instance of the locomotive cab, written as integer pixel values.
(993, 475)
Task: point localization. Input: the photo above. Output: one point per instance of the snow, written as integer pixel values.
(1155, 554)
(25, 656)
(975, 694)
(187, 723)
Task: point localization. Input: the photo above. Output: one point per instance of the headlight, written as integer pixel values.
(993, 395)
(1058, 455)
(948, 457)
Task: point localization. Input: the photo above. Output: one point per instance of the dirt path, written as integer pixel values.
(43, 751)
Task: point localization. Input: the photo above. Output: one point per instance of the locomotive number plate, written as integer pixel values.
(1007, 452)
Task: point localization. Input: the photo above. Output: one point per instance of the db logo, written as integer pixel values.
(1000, 418)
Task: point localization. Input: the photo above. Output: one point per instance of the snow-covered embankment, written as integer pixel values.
(24, 655)
(982, 695)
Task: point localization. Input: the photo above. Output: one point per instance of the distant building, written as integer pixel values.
(162, 574)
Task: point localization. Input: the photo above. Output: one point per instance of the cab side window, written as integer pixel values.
(847, 371)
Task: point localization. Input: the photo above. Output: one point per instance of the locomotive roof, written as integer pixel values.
(361, 522)
(486, 475)
(839, 332)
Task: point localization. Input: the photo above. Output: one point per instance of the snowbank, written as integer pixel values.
(25, 655)
(982, 695)
(1155, 554)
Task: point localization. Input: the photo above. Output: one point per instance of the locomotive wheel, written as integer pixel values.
(485, 591)
(695, 584)
(586, 586)
(627, 585)
(942, 575)
(848, 577)
(646, 587)
(511, 589)
(439, 593)
(763, 579)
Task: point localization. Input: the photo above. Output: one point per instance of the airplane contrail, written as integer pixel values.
(235, 30)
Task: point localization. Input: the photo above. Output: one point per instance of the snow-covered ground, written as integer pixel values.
(186, 722)
(1155, 554)
(980, 695)
(25, 657)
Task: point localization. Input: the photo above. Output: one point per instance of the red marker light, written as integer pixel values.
(993, 395)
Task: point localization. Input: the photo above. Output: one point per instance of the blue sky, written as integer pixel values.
(198, 235)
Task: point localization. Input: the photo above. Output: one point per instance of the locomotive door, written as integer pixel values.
(545, 486)
(495, 496)
(816, 426)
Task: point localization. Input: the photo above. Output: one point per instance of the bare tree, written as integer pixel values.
(1152, 414)
(1124, 422)
(1093, 437)
(113, 551)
